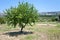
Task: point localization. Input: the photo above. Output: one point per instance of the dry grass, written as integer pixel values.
(40, 31)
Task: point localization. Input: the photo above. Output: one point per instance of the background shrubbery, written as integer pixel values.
(2, 20)
(47, 18)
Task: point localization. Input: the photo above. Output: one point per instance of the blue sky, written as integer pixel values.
(40, 5)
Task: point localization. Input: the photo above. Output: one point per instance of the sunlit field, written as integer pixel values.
(30, 20)
(39, 31)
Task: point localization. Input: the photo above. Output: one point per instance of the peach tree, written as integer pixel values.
(22, 15)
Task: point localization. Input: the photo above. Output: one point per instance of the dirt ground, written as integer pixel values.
(28, 34)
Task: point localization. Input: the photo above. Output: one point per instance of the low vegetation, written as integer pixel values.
(40, 31)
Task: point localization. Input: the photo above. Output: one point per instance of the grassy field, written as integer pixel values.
(40, 31)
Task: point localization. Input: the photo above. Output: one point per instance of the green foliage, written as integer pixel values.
(23, 14)
(48, 18)
(2, 20)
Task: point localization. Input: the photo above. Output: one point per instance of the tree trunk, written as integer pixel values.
(22, 29)
(22, 26)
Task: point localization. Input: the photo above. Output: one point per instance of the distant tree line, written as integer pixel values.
(49, 18)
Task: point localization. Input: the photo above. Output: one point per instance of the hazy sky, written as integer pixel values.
(41, 5)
